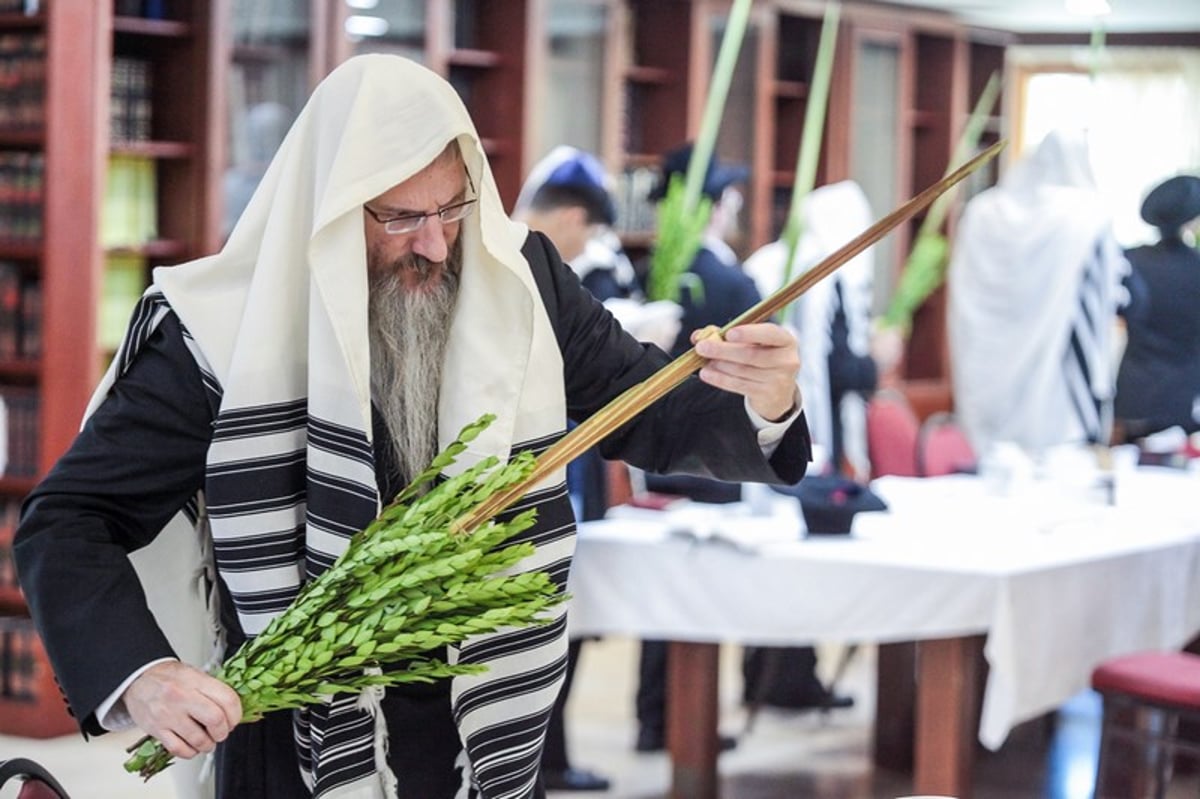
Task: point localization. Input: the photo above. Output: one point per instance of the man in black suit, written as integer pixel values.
(1158, 385)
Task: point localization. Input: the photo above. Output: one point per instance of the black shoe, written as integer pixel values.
(652, 740)
(834, 701)
(574, 779)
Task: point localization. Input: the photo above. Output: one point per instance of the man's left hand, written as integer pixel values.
(758, 361)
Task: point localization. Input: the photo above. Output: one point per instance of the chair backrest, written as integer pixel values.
(38, 784)
(892, 428)
(943, 447)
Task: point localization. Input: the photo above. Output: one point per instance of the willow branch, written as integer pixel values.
(636, 399)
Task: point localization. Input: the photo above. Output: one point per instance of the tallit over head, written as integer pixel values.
(1019, 259)
(277, 322)
(832, 215)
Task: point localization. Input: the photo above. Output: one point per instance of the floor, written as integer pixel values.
(784, 755)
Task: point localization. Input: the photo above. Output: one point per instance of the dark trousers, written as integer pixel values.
(554, 755)
(652, 686)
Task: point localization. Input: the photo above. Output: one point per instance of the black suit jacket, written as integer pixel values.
(1159, 380)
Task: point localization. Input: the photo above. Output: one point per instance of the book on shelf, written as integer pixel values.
(22, 175)
(29, 344)
(10, 310)
(129, 218)
(124, 282)
(635, 211)
(27, 7)
(130, 103)
(10, 589)
(19, 439)
(22, 80)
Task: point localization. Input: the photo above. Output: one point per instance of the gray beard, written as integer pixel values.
(408, 334)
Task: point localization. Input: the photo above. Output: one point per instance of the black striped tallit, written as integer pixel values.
(276, 520)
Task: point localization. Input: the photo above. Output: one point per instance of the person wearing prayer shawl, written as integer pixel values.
(1034, 285)
(843, 358)
(372, 299)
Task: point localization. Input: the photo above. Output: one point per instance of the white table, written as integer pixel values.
(1054, 581)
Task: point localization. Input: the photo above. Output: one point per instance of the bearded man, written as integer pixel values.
(371, 301)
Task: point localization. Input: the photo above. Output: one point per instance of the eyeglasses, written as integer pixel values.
(410, 223)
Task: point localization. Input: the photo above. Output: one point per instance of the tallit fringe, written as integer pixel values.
(370, 700)
(464, 768)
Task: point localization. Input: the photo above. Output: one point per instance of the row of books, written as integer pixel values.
(635, 211)
(130, 105)
(22, 80)
(130, 212)
(125, 278)
(20, 313)
(10, 590)
(19, 406)
(147, 9)
(28, 7)
(22, 176)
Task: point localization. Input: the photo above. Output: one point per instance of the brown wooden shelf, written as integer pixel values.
(782, 179)
(25, 370)
(17, 486)
(22, 137)
(652, 76)
(159, 248)
(923, 118)
(473, 58)
(790, 89)
(153, 149)
(10, 21)
(20, 250)
(497, 148)
(635, 160)
(140, 26)
(637, 240)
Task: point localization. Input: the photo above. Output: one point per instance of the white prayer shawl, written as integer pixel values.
(831, 216)
(277, 322)
(1019, 261)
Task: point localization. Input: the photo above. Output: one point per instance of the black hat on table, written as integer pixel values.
(1173, 203)
(718, 177)
(830, 502)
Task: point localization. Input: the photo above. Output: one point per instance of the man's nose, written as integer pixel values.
(429, 240)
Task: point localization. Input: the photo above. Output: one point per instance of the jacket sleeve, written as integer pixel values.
(136, 462)
(696, 429)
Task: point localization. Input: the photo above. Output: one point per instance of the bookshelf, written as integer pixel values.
(60, 129)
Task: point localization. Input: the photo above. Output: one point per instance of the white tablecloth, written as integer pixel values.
(1057, 582)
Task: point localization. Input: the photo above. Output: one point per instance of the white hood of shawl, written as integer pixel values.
(1018, 258)
(373, 123)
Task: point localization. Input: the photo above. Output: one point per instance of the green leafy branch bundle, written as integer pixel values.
(412, 581)
(925, 268)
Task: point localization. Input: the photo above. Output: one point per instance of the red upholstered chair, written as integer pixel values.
(36, 782)
(892, 428)
(1146, 696)
(943, 448)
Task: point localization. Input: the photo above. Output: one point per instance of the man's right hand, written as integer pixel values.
(187, 710)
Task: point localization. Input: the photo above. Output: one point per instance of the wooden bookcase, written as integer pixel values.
(64, 260)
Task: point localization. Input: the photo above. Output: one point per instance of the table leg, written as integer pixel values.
(895, 703)
(692, 719)
(948, 702)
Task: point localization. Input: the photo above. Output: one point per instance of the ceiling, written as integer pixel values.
(1051, 16)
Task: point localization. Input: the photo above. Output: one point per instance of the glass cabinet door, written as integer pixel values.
(268, 85)
(573, 81)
